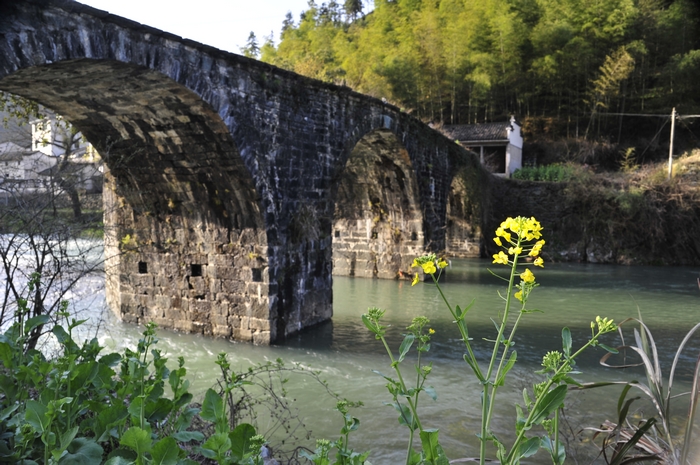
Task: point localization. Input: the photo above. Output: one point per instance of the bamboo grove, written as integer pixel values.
(467, 61)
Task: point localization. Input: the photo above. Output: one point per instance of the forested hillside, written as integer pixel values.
(466, 61)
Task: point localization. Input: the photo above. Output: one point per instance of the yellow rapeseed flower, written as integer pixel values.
(415, 279)
(515, 250)
(519, 295)
(501, 258)
(497, 240)
(539, 262)
(501, 232)
(428, 267)
(536, 248)
(431, 331)
(442, 263)
(527, 276)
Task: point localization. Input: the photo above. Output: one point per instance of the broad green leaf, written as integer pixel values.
(240, 440)
(529, 447)
(34, 322)
(185, 419)
(6, 355)
(36, 416)
(433, 452)
(111, 360)
(108, 419)
(82, 451)
(566, 341)
(64, 339)
(212, 407)
(121, 456)
(549, 403)
(137, 439)
(158, 410)
(216, 447)
(406, 346)
(165, 452)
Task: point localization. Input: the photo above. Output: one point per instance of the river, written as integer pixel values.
(346, 354)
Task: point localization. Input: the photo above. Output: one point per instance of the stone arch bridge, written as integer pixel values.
(230, 181)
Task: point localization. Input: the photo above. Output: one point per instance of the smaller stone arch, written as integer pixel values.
(378, 220)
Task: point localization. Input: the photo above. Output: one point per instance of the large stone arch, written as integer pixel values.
(184, 237)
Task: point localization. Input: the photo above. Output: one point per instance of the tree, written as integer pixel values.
(44, 250)
(251, 49)
(352, 8)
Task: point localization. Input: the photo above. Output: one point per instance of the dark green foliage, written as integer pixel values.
(550, 173)
(85, 407)
(469, 61)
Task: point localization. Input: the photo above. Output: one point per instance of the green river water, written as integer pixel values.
(346, 354)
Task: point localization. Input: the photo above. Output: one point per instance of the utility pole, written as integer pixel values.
(670, 148)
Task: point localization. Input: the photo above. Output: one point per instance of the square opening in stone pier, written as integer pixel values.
(143, 267)
(195, 270)
(257, 275)
(337, 233)
(414, 236)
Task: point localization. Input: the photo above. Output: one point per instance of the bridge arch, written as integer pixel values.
(183, 222)
(378, 219)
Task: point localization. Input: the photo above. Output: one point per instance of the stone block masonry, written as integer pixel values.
(225, 172)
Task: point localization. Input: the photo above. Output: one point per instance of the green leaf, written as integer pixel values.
(64, 339)
(111, 360)
(433, 452)
(240, 440)
(187, 436)
(108, 419)
(529, 447)
(405, 416)
(121, 456)
(35, 322)
(474, 368)
(612, 350)
(165, 452)
(549, 403)
(137, 439)
(82, 451)
(36, 416)
(212, 407)
(216, 447)
(506, 369)
(566, 341)
(118, 460)
(6, 355)
(185, 419)
(158, 410)
(430, 390)
(406, 346)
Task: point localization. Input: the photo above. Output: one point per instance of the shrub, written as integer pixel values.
(552, 173)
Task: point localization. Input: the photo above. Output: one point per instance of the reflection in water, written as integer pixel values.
(346, 353)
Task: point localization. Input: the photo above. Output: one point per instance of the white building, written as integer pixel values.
(500, 145)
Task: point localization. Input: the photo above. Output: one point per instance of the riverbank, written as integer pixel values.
(634, 216)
